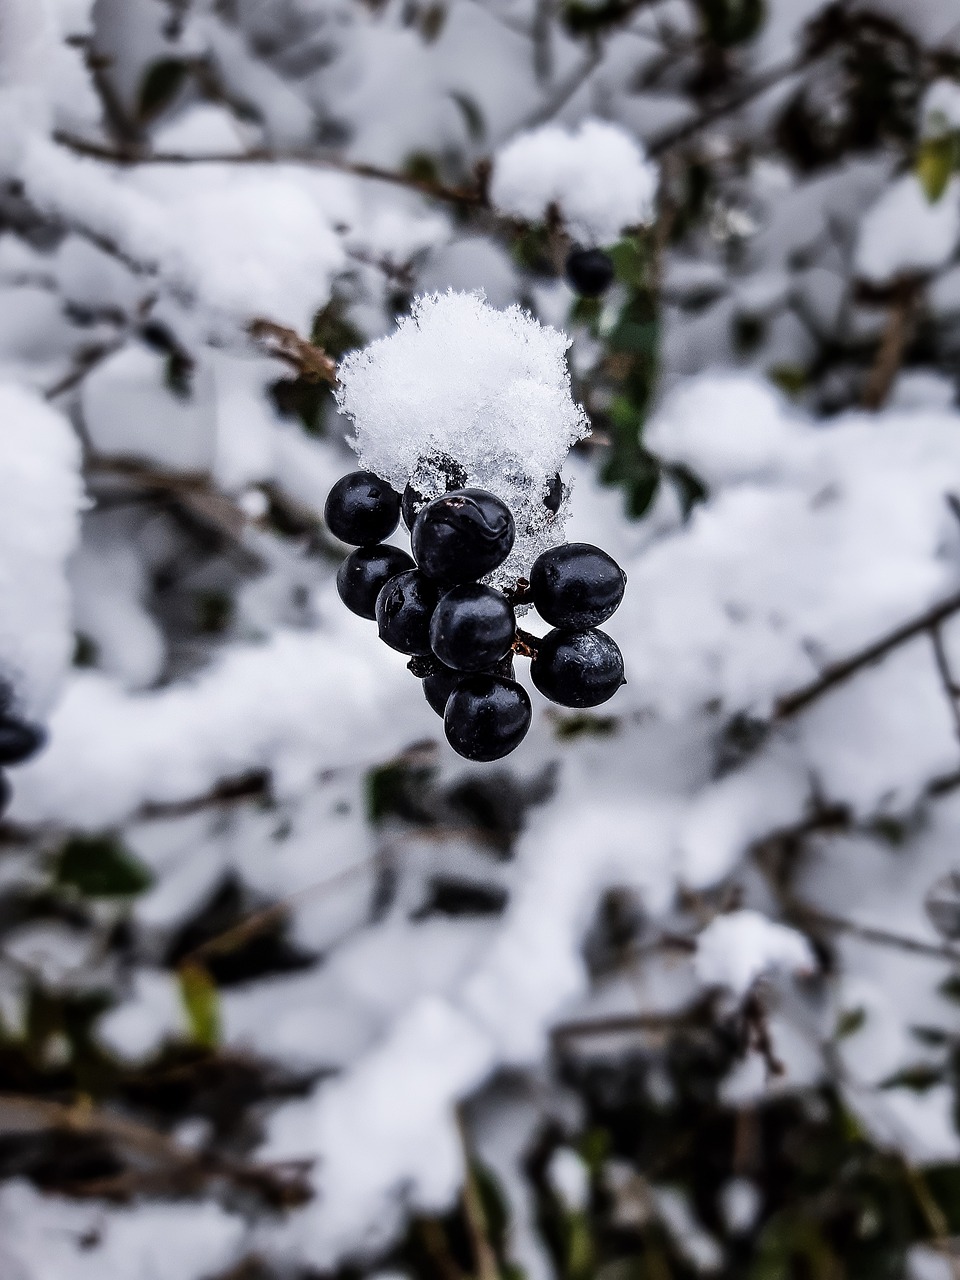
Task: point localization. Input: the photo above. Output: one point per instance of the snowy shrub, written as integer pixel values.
(289, 989)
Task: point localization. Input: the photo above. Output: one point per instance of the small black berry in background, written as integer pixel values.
(577, 668)
(486, 717)
(472, 627)
(454, 476)
(590, 271)
(554, 494)
(462, 536)
(576, 586)
(362, 509)
(404, 608)
(365, 572)
(19, 740)
(438, 686)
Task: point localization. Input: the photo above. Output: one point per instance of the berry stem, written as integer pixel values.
(525, 645)
(519, 593)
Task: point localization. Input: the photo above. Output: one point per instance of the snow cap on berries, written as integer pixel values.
(597, 177)
(490, 389)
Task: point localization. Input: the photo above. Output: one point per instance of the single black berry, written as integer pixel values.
(472, 627)
(554, 494)
(404, 608)
(577, 668)
(486, 717)
(365, 572)
(439, 684)
(590, 271)
(576, 586)
(362, 509)
(463, 535)
(450, 473)
(19, 740)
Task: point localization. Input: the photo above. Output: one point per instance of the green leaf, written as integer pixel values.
(936, 159)
(584, 725)
(101, 867)
(201, 1000)
(161, 83)
(849, 1022)
(730, 22)
(690, 488)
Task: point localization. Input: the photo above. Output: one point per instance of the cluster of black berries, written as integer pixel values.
(461, 635)
(19, 740)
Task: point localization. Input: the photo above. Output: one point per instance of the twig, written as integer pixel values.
(267, 1180)
(563, 93)
(467, 196)
(838, 672)
(870, 933)
(893, 344)
(310, 361)
(484, 1255)
(950, 687)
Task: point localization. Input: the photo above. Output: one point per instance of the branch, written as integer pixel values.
(310, 361)
(129, 157)
(276, 1186)
(893, 344)
(870, 933)
(839, 672)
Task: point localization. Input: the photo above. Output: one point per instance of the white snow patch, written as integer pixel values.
(736, 949)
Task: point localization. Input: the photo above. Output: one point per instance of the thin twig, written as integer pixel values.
(269, 1181)
(870, 933)
(128, 158)
(839, 672)
(310, 361)
(950, 687)
(893, 343)
(484, 1255)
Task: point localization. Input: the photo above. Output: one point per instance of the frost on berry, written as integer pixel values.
(490, 390)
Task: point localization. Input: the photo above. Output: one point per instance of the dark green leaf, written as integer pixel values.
(101, 867)
(161, 83)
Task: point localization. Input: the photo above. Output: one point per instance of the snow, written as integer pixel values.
(570, 1178)
(488, 388)
(940, 109)
(905, 234)
(387, 1130)
(734, 950)
(50, 1238)
(596, 176)
(40, 498)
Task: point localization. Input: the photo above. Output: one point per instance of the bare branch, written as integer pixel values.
(310, 361)
(839, 672)
(467, 196)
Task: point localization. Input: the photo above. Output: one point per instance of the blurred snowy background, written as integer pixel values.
(286, 988)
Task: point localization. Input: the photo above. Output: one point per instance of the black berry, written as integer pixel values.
(362, 509)
(404, 609)
(486, 717)
(577, 668)
(365, 572)
(576, 586)
(554, 494)
(590, 271)
(438, 686)
(447, 470)
(462, 536)
(19, 740)
(472, 627)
